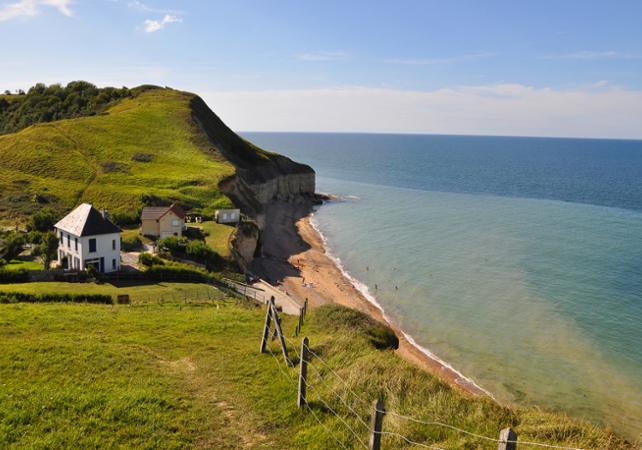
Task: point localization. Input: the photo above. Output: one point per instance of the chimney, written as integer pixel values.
(105, 213)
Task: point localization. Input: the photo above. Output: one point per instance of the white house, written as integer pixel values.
(88, 238)
(227, 215)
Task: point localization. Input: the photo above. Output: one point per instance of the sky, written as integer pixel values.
(530, 68)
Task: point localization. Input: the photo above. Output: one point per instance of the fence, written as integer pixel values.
(370, 426)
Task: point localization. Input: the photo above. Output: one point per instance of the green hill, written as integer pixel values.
(153, 146)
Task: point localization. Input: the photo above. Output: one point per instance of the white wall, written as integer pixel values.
(103, 249)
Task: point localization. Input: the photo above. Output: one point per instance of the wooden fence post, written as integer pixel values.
(507, 439)
(266, 327)
(279, 331)
(377, 425)
(303, 374)
(305, 309)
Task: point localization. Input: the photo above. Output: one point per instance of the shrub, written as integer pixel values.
(149, 260)
(11, 245)
(122, 218)
(142, 157)
(15, 297)
(14, 276)
(131, 244)
(43, 220)
(201, 252)
(173, 244)
(168, 273)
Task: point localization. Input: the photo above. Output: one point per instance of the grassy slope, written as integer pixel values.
(218, 237)
(176, 376)
(66, 159)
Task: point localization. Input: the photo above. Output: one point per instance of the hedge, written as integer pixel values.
(167, 273)
(14, 276)
(20, 297)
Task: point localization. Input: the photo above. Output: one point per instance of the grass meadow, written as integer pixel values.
(176, 375)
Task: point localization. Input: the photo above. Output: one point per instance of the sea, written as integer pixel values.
(515, 260)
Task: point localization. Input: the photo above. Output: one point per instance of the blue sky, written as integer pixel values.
(571, 68)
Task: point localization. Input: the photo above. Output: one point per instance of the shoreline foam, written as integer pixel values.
(364, 290)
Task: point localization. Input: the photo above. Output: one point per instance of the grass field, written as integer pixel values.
(218, 238)
(23, 262)
(152, 292)
(175, 376)
(147, 145)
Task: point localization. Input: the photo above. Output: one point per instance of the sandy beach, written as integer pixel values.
(294, 258)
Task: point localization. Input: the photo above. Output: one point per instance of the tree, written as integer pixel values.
(13, 243)
(48, 248)
(43, 220)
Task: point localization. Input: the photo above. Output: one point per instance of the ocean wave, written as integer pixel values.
(365, 291)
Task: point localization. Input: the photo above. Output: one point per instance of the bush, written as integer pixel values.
(169, 273)
(142, 157)
(149, 260)
(43, 220)
(11, 245)
(131, 244)
(196, 251)
(173, 244)
(201, 252)
(123, 218)
(16, 297)
(14, 276)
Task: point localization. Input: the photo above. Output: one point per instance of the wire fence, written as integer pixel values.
(346, 409)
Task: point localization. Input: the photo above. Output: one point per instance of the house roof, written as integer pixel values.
(156, 212)
(86, 220)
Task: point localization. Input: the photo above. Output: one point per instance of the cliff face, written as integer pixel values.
(261, 178)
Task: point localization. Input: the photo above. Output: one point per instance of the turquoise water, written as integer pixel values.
(517, 261)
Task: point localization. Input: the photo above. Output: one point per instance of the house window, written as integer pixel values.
(92, 245)
(68, 241)
(113, 244)
(76, 243)
(113, 264)
(176, 223)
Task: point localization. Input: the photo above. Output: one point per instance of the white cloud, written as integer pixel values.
(61, 5)
(449, 60)
(30, 8)
(140, 6)
(588, 55)
(505, 109)
(150, 26)
(323, 56)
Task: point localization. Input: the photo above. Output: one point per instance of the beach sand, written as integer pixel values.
(294, 258)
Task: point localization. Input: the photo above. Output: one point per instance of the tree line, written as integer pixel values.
(42, 103)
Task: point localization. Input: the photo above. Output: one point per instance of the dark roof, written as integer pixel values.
(86, 220)
(156, 212)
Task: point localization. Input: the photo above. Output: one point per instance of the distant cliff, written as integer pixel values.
(261, 177)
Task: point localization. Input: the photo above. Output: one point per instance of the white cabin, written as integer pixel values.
(88, 238)
(227, 215)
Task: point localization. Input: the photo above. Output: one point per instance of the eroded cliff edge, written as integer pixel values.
(261, 179)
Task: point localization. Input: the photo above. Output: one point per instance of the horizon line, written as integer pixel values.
(418, 133)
